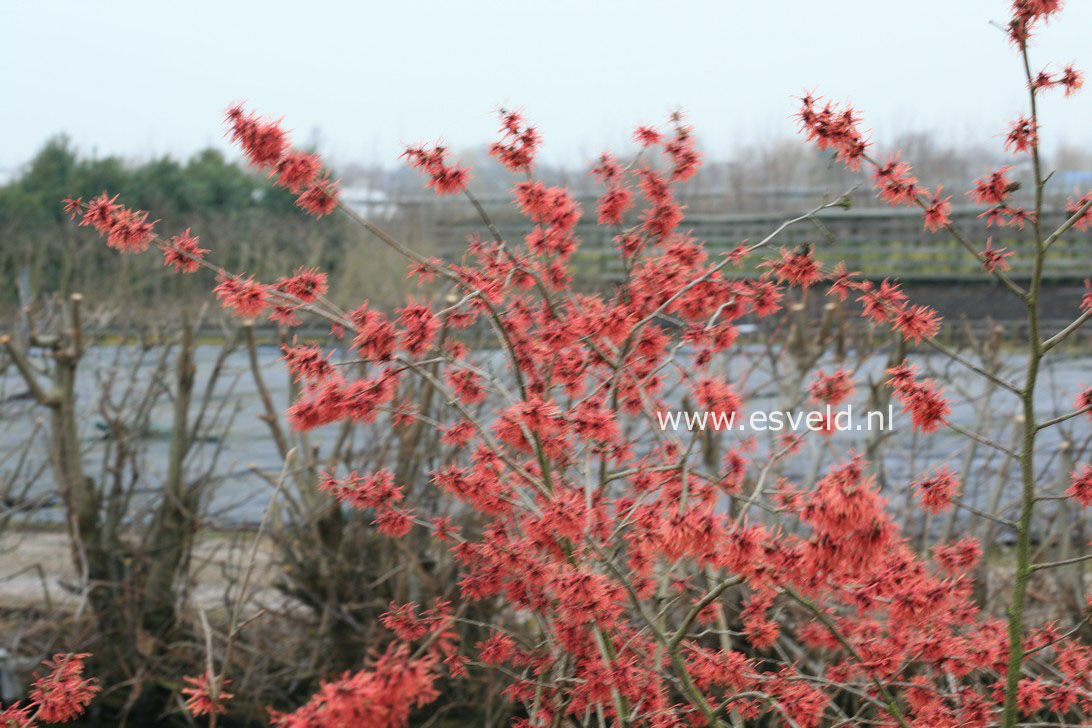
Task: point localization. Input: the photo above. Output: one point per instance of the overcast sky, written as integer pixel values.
(147, 78)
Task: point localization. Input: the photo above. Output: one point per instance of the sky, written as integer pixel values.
(362, 79)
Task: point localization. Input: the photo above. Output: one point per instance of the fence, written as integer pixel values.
(875, 242)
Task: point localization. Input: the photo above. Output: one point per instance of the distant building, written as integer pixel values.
(369, 202)
(1074, 178)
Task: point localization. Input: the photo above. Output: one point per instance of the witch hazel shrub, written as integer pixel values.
(648, 590)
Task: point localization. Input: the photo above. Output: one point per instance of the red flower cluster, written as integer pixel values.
(376, 491)
(937, 211)
(59, 696)
(832, 389)
(203, 698)
(516, 150)
(993, 189)
(937, 491)
(895, 182)
(267, 146)
(125, 230)
(184, 252)
(1023, 135)
(922, 399)
(1082, 206)
(1026, 14)
(382, 695)
(796, 267)
(994, 258)
(444, 179)
(618, 199)
(244, 296)
(917, 322)
(960, 556)
(611, 535)
(833, 127)
(1080, 489)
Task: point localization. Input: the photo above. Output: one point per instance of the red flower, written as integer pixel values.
(613, 205)
(320, 199)
(101, 213)
(993, 189)
(377, 490)
(63, 693)
(1080, 489)
(994, 258)
(937, 492)
(245, 296)
(880, 303)
(937, 211)
(960, 556)
(419, 327)
(184, 253)
(917, 322)
(1030, 695)
(382, 695)
(203, 700)
(923, 400)
(73, 206)
(307, 362)
(1084, 400)
(796, 267)
(131, 232)
(404, 621)
(832, 389)
(1023, 135)
(685, 159)
(17, 716)
(305, 285)
(647, 136)
(297, 171)
(895, 183)
(394, 522)
(466, 385)
(1071, 79)
(263, 141)
(516, 150)
(833, 127)
(444, 179)
(498, 648)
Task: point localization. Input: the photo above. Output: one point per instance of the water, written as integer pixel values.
(238, 441)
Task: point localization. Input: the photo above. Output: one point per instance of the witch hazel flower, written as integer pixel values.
(444, 178)
(917, 322)
(832, 389)
(1080, 489)
(125, 230)
(205, 695)
(516, 150)
(938, 211)
(1023, 135)
(922, 399)
(937, 491)
(618, 198)
(64, 693)
(244, 296)
(994, 259)
(994, 188)
(184, 253)
(267, 146)
(833, 127)
(895, 183)
(1074, 206)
